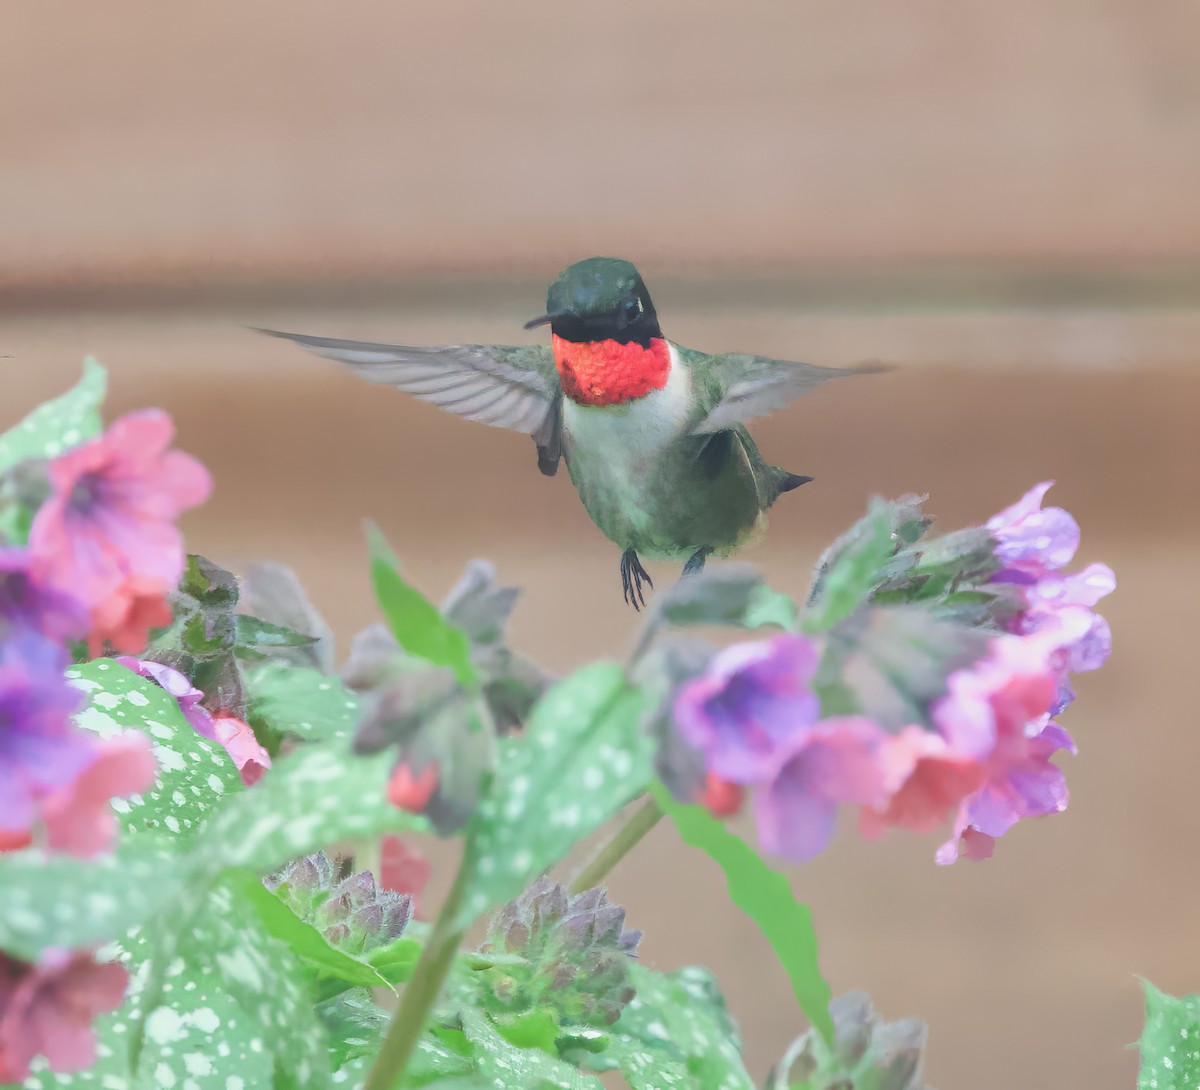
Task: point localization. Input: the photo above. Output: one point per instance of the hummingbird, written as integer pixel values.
(653, 434)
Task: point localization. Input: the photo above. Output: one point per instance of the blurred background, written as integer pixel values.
(999, 198)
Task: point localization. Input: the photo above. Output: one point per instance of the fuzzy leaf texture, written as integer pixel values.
(59, 424)
(765, 896)
(1170, 1042)
(584, 755)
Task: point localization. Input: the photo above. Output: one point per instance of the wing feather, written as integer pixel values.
(748, 386)
(504, 386)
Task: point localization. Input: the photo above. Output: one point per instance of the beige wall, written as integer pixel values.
(289, 138)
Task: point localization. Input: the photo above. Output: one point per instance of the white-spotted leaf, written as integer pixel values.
(300, 700)
(312, 798)
(584, 756)
(60, 424)
(194, 774)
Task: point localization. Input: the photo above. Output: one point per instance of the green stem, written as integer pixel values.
(422, 990)
(640, 822)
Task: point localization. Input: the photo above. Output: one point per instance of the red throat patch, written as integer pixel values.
(609, 372)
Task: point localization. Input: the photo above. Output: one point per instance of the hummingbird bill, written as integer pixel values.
(653, 434)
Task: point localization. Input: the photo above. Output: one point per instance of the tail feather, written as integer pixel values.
(786, 482)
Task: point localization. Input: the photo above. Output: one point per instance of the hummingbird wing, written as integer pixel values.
(742, 387)
(505, 386)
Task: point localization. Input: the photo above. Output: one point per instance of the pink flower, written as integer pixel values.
(47, 1010)
(412, 793)
(834, 761)
(924, 780)
(998, 711)
(251, 759)
(112, 511)
(125, 619)
(78, 818)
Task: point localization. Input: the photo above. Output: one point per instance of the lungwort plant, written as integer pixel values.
(204, 857)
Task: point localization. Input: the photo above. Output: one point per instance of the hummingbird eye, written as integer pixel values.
(633, 308)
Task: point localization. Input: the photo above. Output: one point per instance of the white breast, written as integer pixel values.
(628, 434)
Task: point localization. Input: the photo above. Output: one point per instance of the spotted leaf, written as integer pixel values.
(60, 424)
(584, 756)
(300, 700)
(194, 774)
(1170, 1041)
(311, 798)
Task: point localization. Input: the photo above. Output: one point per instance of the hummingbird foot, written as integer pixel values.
(696, 564)
(632, 577)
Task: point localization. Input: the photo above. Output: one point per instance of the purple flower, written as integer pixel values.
(1031, 539)
(39, 749)
(26, 603)
(185, 693)
(750, 701)
(834, 761)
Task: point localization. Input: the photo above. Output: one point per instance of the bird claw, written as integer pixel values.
(632, 577)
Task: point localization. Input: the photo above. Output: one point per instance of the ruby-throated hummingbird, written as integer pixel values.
(653, 433)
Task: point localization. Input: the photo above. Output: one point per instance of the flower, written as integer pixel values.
(752, 698)
(831, 762)
(720, 798)
(998, 711)
(125, 618)
(39, 749)
(1032, 545)
(1031, 539)
(240, 743)
(47, 1009)
(412, 793)
(924, 780)
(78, 818)
(112, 510)
(25, 603)
(185, 693)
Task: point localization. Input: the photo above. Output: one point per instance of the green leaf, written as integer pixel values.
(853, 568)
(530, 1029)
(765, 896)
(396, 961)
(59, 901)
(354, 1024)
(58, 425)
(304, 940)
(510, 1066)
(194, 774)
(1170, 1041)
(415, 621)
(251, 632)
(300, 700)
(225, 949)
(584, 756)
(313, 797)
(676, 1033)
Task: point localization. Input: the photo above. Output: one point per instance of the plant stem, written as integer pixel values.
(422, 990)
(640, 822)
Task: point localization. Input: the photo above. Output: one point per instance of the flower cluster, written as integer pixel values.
(980, 755)
(100, 555)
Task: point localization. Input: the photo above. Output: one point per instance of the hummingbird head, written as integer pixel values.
(600, 299)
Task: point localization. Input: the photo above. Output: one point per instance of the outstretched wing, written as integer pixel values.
(505, 386)
(743, 387)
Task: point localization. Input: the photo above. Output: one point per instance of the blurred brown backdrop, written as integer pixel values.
(1000, 198)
